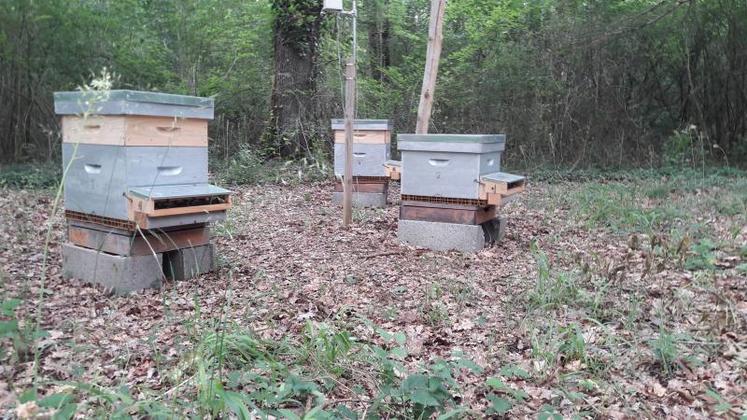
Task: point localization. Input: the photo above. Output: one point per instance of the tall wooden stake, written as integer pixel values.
(347, 198)
(433, 55)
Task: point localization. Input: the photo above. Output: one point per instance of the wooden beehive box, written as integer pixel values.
(371, 147)
(448, 165)
(120, 141)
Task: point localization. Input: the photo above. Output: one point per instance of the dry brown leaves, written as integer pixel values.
(287, 260)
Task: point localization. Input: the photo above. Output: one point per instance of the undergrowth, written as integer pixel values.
(31, 176)
(248, 167)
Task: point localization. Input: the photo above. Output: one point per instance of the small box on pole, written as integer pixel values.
(332, 6)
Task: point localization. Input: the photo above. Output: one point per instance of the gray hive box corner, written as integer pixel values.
(129, 102)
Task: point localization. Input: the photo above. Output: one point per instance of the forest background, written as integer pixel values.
(573, 84)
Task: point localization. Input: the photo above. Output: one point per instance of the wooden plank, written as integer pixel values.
(95, 129)
(442, 205)
(135, 243)
(135, 130)
(347, 197)
(147, 207)
(164, 131)
(375, 187)
(496, 191)
(473, 216)
(433, 55)
(394, 172)
(364, 137)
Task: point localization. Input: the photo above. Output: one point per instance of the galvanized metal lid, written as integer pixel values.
(370, 125)
(502, 177)
(459, 143)
(179, 191)
(130, 102)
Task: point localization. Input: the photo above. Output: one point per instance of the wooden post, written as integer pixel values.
(347, 182)
(433, 55)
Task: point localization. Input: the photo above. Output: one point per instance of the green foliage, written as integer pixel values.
(551, 288)
(21, 335)
(513, 371)
(666, 350)
(573, 345)
(30, 175)
(618, 206)
(548, 412)
(426, 394)
(234, 373)
(248, 167)
(702, 256)
(245, 167)
(530, 69)
(722, 405)
(502, 397)
(684, 148)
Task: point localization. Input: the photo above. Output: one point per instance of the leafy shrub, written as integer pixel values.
(248, 167)
(684, 148)
(31, 176)
(245, 167)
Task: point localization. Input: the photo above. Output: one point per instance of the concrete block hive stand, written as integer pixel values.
(371, 150)
(452, 189)
(137, 199)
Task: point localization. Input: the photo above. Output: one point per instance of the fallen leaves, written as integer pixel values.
(286, 262)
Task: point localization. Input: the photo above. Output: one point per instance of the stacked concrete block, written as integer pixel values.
(137, 196)
(371, 150)
(452, 189)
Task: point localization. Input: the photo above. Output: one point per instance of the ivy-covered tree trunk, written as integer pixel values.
(294, 116)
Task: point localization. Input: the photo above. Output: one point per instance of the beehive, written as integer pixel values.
(371, 147)
(120, 142)
(448, 165)
(137, 196)
(452, 190)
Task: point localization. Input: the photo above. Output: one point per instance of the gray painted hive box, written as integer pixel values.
(448, 165)
(371, 140)
(116, 142)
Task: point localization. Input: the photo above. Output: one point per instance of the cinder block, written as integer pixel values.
(187, 263)
(494, 230)
(119, 273)
(442, 236)
(362, 199)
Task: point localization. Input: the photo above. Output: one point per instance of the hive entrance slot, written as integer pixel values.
(515, 184)
(173, 203)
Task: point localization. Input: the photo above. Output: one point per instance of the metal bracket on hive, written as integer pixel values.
(393, 169)
(157, 206)
(496, 187)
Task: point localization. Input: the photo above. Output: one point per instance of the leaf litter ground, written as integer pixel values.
(579, 316)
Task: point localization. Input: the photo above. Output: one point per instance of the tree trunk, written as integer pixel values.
(294, 119)
(378, 38)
